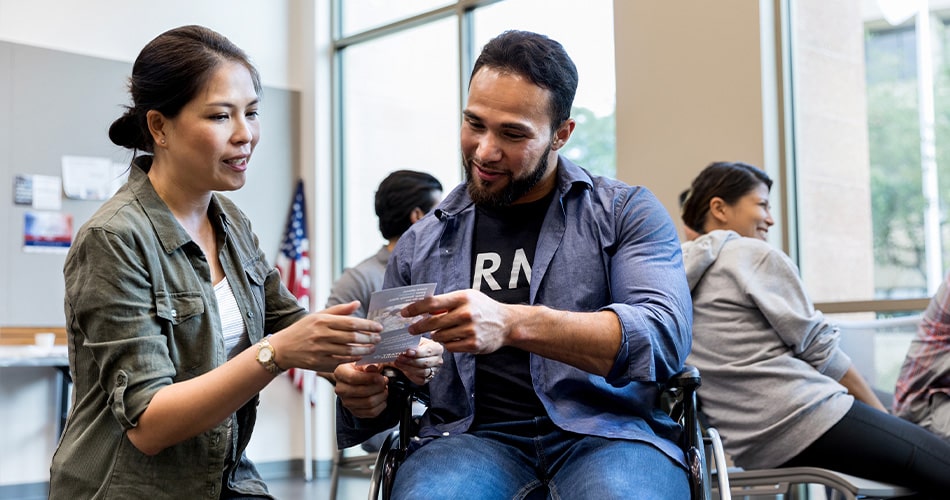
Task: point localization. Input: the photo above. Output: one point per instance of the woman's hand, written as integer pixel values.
(322, 340)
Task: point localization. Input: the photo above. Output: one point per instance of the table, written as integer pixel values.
(54, 357)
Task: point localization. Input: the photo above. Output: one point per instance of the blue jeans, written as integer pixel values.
(534, 459)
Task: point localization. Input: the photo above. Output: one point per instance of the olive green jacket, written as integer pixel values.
(141, 314)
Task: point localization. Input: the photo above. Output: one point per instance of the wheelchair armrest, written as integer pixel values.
(688, 379)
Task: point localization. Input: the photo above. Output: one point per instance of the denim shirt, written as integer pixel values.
(603, 246)
(141, 314)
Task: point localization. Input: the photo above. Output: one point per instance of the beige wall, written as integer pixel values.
(689, 90)
(697, 82)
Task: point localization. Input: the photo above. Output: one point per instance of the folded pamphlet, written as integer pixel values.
(385, 307)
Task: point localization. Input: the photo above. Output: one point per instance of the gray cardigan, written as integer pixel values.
(770, 362)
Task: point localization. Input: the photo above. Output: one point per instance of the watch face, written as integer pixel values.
(265, 355)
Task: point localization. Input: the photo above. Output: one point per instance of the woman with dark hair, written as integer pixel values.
(175, 319)
(775, 383)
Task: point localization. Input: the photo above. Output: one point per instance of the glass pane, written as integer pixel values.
(400, 111)
(877, 346)
(587, 32)
(863, 214)
(359, 15)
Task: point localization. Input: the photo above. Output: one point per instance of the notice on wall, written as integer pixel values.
(91, 178)
(47, 232)
(47, 192)
(23, 190)
(42, 192)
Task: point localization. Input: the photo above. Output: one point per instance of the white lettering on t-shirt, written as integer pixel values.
(520, 264)
(494, 261)
(487, 263)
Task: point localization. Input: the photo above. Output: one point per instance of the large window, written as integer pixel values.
(400, 111)
(402, 77)
(871, 148)
(871, 171)
(361, 15)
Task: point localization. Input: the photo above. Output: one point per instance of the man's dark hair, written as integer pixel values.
(399, 194)
(727, 180)
(538, 58)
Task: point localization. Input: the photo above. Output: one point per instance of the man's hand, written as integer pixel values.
(362, 389)
(464, 321)
(422, 363)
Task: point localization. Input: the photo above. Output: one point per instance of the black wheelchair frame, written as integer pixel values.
(678, 399)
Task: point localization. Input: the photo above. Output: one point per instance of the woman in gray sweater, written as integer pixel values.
(775, 382)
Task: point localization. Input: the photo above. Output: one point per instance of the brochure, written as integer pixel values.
(385, 307)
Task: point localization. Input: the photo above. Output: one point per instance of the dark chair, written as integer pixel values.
(678, 399)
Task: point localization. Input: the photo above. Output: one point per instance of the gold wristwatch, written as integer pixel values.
(266, 356)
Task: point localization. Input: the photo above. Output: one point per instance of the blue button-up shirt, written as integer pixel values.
(603, 245)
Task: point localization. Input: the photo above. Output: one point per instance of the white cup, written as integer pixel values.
(44, 340)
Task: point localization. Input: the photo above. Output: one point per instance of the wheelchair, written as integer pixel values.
(678, 399)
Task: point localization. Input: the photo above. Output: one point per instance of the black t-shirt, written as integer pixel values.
(505, 240)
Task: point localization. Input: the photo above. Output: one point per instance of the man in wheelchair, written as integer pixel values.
(561, 303)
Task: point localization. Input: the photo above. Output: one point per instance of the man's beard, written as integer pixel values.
(513, 190)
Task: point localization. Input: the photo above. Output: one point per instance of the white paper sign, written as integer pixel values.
(47, 192)
(87, 177)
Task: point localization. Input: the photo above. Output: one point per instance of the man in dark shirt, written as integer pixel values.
(561, 302)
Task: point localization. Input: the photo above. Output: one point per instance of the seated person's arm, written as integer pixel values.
(859, 388)
(470, 321)
(644, 334)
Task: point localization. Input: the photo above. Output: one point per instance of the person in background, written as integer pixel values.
(775, 383)
(688, 232)
(402, 198)
(175, 319)
(561, 301)
(922, 393)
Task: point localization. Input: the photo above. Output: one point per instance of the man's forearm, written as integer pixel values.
(589, 341)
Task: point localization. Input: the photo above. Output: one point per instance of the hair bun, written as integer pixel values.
(125, 131)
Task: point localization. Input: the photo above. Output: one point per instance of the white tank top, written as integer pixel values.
(232, 324)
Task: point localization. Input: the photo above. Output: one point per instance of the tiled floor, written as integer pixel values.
(351, 488)
(296, 488)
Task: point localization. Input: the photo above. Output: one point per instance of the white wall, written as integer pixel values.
(116, 29)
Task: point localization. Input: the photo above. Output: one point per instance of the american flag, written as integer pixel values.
(293, 262)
